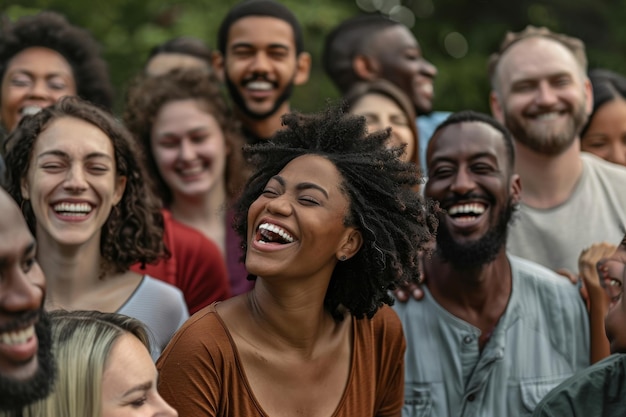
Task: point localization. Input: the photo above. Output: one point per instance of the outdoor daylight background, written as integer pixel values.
(456, 35)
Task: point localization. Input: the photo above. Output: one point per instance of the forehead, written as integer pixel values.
(396, 37)
(375, 101)
(14, 234)
(312, 168)
(261, 31)
(73, 135)
(467, 140)
(39, 57)
(536, 57)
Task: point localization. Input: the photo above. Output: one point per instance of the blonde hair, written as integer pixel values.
(82, 342)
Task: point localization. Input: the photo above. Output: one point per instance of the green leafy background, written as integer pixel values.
(127, 29)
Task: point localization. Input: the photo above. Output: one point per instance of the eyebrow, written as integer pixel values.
(32, 74)
(64, 155)
(28, 250)
(141, 387)
(249, 45)
(301, 186)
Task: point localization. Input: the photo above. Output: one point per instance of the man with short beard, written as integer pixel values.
(26, 365)
(571, 199)
(494, 333)
(261, 58)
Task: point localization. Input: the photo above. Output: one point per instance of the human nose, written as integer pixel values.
(260, 63)
(164, 409)
(279, 205)
(462, 182)
(187, 152)
(23, 291)
(75, 179)
(428, 69)
(39, 89)
(545, 94)
(618, 154)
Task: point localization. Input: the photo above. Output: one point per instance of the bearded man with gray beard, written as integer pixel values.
(570, 199)
(494, 333)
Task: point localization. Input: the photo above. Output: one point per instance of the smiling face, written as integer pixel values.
(381, 112)
(296, 227)
(129, 382)
(542, 95)
(470, 177)
(35, 78)
(261, 65)
(402, 63)
(71, 182)
(606, 134)
(25, 360)
(189, 148)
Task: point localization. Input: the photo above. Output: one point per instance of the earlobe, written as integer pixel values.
(588, 96)
(516, 189)
(217, 62)
(351, 245)
(304, 68)
(365, 68)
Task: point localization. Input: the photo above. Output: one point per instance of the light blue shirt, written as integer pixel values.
(426, 126)
(540, 340)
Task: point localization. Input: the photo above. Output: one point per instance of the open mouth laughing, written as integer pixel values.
(268, 233)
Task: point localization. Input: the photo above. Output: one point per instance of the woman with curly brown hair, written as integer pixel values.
(74, 171)
(193, 152)
(329, 224)
(42, 58)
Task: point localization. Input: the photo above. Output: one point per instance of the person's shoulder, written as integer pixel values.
(385, 322)
(160, 290)
(601, 166)
(589, 383)
(538, 274)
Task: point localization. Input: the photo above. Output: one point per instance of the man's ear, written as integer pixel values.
(588, 96)
(351, 245)
(496, 106)
(516, 189)
(303, 68)
(365, 67)
(217, 62)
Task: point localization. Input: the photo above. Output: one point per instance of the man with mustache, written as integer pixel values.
(261, 58)
(494, 332)
(571, 199)
(26, 365)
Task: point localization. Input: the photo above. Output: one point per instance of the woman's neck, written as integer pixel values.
(205, 213)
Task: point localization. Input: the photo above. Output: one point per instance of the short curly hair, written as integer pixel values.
(134, 230)
(51, 30)
(574, 45)
(148, 94)
(395, 222)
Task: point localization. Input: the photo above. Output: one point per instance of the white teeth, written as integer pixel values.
(191, 171)
(17, 337)
(78, 209)
(30, 110)
(473, 208)
(278, 230)
(259, 85)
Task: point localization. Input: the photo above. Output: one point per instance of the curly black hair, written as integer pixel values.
(147, 95)
(134, 230)
(395, 222)
(51, 30)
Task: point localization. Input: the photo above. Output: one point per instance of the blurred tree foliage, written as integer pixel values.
(128, 29)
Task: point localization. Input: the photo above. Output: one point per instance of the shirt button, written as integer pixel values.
(471, 397)
(468, 339)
